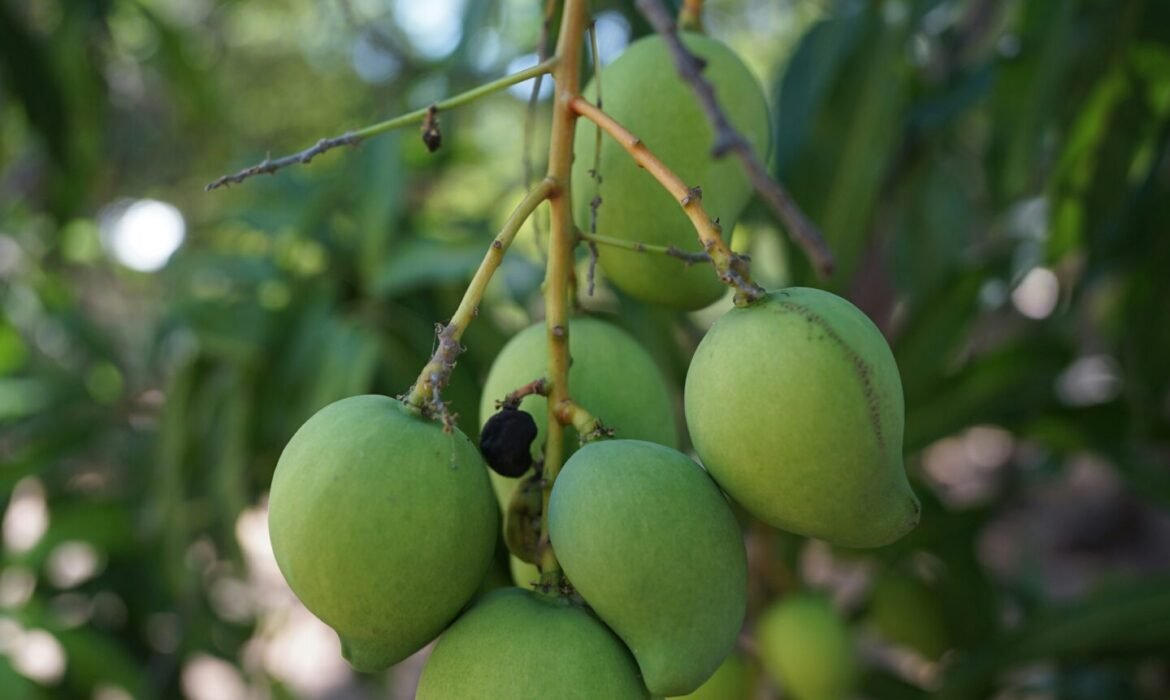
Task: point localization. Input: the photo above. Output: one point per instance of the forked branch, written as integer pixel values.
(729, 140)
(731, 268)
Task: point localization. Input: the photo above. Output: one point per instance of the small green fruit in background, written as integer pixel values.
(732, 681)
(651, 544)
(906, 612)
(382, 524)
(643, 92)
(612, 377)
(805, 646)
(795, 406)
(521, 646)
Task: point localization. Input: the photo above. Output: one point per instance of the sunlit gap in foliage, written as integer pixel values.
(142, 235)
(27, 516)
(1090, 380)
(1037, 293)
(434, 27)
(613, 35)
(372, 62)
(37, 655)
(296, 648)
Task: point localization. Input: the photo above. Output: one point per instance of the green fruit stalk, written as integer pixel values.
(382, 524)
(794, 404)
(642, 91)
(805, 645)
(518, 645)
(612, 377)
(651, 544)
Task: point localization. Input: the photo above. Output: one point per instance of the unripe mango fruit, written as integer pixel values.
(642, 91)
(382, 524)
(907, 612)
(651, 544)
(794, 404)
(523, 646)
(805, 645)
(611, 376)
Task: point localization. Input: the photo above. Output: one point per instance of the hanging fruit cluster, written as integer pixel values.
(631, 565)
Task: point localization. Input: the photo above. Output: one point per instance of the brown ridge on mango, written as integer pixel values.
(860, 366)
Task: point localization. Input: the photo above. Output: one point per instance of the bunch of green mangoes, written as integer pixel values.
(385, 522)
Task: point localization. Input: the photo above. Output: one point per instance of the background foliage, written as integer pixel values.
(994, 176)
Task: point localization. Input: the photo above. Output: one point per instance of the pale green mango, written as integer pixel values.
(643, 92)
(906, 612)
(805, 646)
(524, 646)
(732, 681)
(382, 524)
(648, 540)
(612, 377)
(795, 407)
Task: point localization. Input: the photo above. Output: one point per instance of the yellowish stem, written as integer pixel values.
(561, 242)
(690, 16)
(731, 268)
(424, 394)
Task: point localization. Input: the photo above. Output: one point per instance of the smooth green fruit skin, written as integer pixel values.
(731, 681)
(521, 646)
(652, 545)
(795, 407)
(806, 646)
(643, 92)
(612, 377)
(382, 524)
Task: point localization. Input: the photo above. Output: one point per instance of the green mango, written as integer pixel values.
(382, 524)
(524, 646)
(906, 612)
(611, 376)
(651, 544)
(642, 91)
(732, 681)
(795, 407)
(805, 646)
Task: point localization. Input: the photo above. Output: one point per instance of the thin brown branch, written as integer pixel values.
(533, 101)
(688, 257)
(537, 387)
(729, 140)
(269, 166)
(352, 138)
(732, 271)
(593, 254)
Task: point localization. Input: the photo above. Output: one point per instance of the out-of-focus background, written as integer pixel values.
(994, 176)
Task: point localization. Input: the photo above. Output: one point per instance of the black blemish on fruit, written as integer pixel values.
(506, 441)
